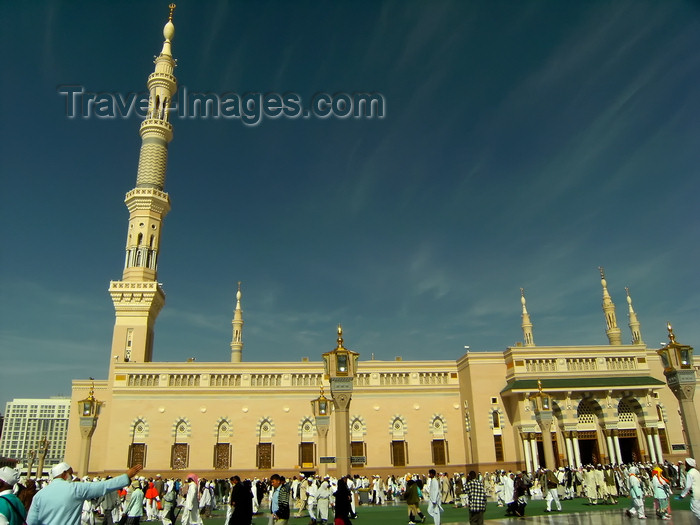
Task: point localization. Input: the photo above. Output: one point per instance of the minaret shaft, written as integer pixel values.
(612, 330)
(237, 340)
(529, 339)
(138, 298)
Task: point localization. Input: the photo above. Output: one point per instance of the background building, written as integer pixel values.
(28, 422)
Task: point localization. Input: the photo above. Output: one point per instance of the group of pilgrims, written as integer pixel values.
(191, 499)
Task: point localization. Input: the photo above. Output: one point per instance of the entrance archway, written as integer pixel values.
(588, 448)
(629, 446)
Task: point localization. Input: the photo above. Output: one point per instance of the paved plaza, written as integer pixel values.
(680, 517)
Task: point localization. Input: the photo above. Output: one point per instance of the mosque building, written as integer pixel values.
(608, 403)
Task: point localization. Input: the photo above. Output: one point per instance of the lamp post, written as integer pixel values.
(677, 360)
(321, 407)
(543, 415)
(89, 412)
(340, 366)
(43, 448)
(30, 458)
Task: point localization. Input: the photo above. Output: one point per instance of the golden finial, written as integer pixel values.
(340, 336)
(602, 272)
(539, 385)
(91, 395)
(172, 9)
(671, 335)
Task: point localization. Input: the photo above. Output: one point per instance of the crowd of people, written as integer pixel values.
(129, 500)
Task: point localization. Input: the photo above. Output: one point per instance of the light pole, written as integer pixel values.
(340, 365)
(89, 412)
(31, 456)
(677, 360)
(43, 448)
(321, 408)
(543, 415)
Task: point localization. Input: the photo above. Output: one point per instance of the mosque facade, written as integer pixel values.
(609, 403)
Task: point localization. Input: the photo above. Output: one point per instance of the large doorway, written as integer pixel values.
(588, 448)
(629, 445)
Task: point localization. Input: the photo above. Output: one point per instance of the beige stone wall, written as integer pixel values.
(204, 394)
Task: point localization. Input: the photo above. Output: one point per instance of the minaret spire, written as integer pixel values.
(634, 325)
(612, 331)
(237, 341)
(138, 297)
(529, 340)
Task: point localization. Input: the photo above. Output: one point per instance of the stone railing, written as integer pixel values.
(581, 364)
(306, 379)
(541, 365)
(621, 363)
(263, 380)
(311, 380)
(433, 378)
(398, 378)
(142, 380)
(184, 380)
(218, 380)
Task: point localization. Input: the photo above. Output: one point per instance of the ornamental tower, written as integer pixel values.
(138, 297)
(527, 324)
(612, 330)
(635, 326)
(237, 340)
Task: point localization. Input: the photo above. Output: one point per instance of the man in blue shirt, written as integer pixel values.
(279, 504)
(61, 501)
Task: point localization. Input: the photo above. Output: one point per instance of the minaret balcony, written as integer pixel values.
(157, 127)
(164, 80)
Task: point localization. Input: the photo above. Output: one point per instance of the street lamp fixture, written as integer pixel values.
(677, 360)
(544, 417)
(89, 413)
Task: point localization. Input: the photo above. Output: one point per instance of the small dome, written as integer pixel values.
(169, 30)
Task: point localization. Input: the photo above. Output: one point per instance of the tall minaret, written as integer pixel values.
(527, 324)
(612, 331)
(634, 325)
(237, 341)
(138, 297)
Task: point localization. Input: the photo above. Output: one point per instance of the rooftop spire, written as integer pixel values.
(237, 341)
(612, 331)
(634, 324)
(527, 324)
(340, 336)
(168, 32)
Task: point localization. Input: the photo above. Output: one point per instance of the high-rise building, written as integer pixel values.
(494, 409)
(30, 421)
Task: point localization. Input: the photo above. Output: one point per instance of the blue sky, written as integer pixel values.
(524, 145)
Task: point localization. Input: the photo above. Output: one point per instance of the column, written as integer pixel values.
(570, 450)
(657, 442)
(535, 457)
(577, 452)
(616, 441)
(526, 448)
(611, 447)
(650, 444)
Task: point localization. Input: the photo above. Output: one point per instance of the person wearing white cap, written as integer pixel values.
(12, 510)
(636, 495)
(692, 484)
(61, 501)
